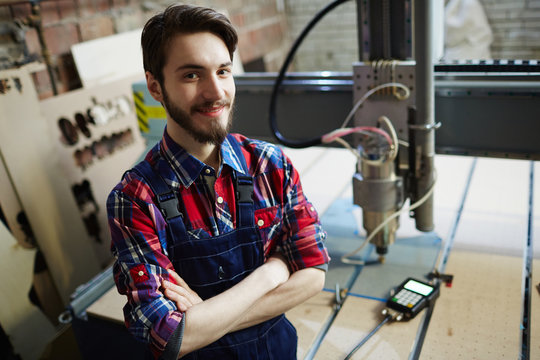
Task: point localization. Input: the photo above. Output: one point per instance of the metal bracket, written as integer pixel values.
(445, 278)
(395, 315)
(426, 127)
(340, 296)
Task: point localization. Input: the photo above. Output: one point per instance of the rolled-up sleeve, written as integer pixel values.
(141, 264)
(303, 235)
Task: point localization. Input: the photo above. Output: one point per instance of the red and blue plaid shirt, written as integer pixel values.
(285, 218)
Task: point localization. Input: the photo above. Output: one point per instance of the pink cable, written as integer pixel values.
(346, 131)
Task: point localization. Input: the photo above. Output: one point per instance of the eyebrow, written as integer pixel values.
(199, 67)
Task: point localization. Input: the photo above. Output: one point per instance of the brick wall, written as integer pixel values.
(332, 43)
(261, 25)
(266, 29)
(516, 28)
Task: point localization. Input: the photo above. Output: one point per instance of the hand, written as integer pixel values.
(279, 268)
(180, 292)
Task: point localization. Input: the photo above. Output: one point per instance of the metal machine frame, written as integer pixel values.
(470, 99)
(473, 101)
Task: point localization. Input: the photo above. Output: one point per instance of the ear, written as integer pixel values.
(154, 87)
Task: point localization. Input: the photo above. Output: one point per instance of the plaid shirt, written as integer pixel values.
(285, 220)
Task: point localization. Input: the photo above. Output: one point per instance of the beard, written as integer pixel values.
(217, 132)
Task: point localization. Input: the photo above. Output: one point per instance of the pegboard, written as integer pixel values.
(96, 138)
(43, 168)
(479, 316)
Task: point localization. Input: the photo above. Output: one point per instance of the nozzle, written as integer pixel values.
(382, 250)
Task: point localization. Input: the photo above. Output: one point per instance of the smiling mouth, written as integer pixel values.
(211, 110)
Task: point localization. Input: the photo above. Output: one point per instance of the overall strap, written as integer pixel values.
(167, 202)
(243, 185)
(166, 199)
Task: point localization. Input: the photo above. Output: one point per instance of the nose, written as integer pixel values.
(212, 89)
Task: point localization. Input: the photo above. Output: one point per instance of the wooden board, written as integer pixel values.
(536, 210)
(309, 317)
(30, 158)
(100, 169)
(324, 172)
(355, 320)
(109, 306)
(479, 316)
(495, 214)
(109, 58)
(535, 311)
(535, 295)
(28, 329)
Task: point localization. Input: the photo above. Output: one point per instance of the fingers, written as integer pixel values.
(179, 280)
(182, 302)
(191, 296)
(180, 292)
(176, 277)
(194, 297)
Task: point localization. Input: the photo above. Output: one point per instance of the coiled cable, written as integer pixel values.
(273, 99)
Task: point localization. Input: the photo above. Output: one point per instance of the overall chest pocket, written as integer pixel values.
(213, 265)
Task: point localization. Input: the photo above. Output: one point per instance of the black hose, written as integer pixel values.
(281, 76)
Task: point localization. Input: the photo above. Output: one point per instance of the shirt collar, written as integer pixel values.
(229, 157)
(187, 167)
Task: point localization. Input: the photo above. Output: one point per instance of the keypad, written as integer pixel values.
(406, 298)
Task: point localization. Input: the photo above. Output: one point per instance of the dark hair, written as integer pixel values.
(178, 19)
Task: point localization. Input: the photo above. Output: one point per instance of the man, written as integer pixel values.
(212, 235)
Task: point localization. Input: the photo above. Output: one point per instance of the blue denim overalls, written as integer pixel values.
(213, 265)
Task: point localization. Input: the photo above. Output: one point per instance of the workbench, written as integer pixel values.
(484, 236)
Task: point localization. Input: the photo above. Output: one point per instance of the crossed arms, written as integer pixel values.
(139, 244)
(267, 292)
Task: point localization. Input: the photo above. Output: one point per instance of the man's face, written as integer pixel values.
(198, 88)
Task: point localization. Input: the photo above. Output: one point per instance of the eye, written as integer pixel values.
(224, 71)
(191, 76)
